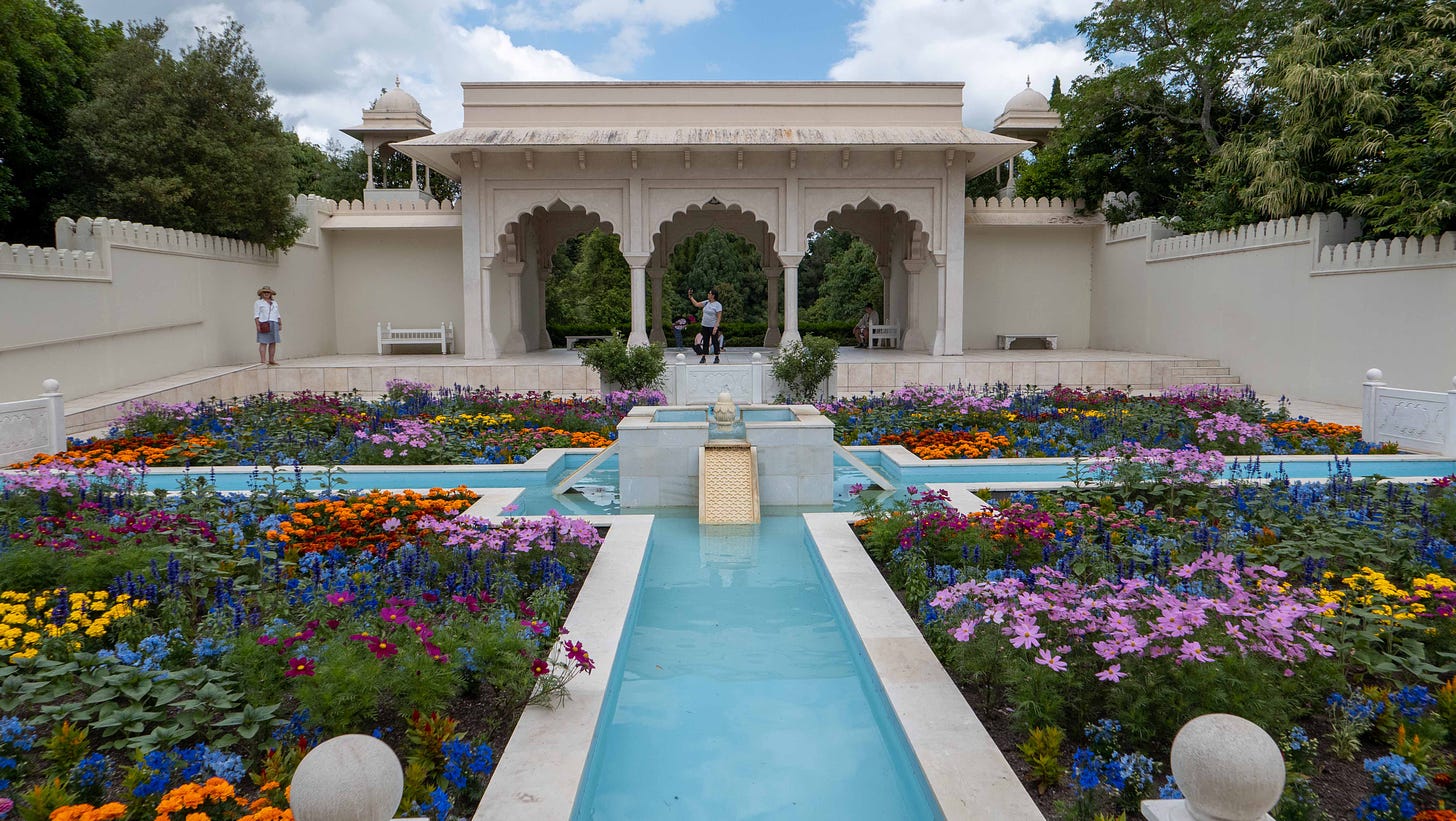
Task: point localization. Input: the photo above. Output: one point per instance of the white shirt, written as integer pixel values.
(265, 311)
(712, 310)
(868, 319)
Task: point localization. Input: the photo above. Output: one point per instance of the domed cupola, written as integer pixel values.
(394, 117)
(1028, 116)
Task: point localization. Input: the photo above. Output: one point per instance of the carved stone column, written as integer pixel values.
(655, 332)
(771, 336)
(638, 336)
(515, 339)
(938, 348)
(791, 304)
(543, 340)
(914, 335)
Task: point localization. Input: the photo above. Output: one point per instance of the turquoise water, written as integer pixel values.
(538, 482)
(749, 415)
(740, 691)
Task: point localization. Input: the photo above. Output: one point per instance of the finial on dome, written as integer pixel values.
(396, 81)
(1028, 81)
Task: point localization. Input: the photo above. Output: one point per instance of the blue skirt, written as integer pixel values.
(271, 336)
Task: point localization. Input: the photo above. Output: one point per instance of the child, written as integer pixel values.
(679, 325)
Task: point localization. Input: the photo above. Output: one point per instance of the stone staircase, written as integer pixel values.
(1203, 371)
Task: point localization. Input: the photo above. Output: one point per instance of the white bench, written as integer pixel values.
(572, 340)
(444, 336)
(884, 336)
(1003, 341)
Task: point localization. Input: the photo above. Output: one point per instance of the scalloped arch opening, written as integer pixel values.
(769, 237)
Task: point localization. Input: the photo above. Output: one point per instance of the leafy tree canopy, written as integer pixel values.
(189, 142)
(720, 260)
(47, 51)
(590, 282)
(851, 280)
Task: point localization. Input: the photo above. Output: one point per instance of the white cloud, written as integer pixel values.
(991, 45)
(326, 60)
(634, 21)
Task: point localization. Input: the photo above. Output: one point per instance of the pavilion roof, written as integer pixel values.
(437, 150)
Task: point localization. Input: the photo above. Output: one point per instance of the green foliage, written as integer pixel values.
(717, 259)
(1042, 750)
(630, 367)
(823, 249)
(851, 280)
(47, 54)
(590, 282)
(803, 367)
(1364, 99)
(189, 142)
(40, 801)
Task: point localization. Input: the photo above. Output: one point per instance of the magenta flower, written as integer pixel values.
(1192, 651)
(578, 654)
(395, 615)
(539, 668)
(471, 603)
(1113, 674)
(267, 641)
(422, 630)
(341, 598)
(436, 653)
(379, 647)
(1026, 634)
(299, 667)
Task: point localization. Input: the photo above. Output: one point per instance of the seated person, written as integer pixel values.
(862, 329)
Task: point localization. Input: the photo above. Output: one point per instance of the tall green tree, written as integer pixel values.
(47, 52)
(722, 260)
(189, 142)
(823, 249)
(1365, 92)
(590, 282)
(1173, 83)
(851, 280)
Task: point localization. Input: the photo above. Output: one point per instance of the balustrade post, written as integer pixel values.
(1369, 404)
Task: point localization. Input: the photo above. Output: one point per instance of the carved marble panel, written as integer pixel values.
(704, 382)
(24, 431)
(1411, 420)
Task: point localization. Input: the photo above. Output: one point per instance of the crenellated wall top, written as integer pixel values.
(327, 206)
(1270, 232)
(1028, 211)
(91, 234)
(1399, 252)
(37, 261)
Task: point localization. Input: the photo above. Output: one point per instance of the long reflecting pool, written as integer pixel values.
(741, 691)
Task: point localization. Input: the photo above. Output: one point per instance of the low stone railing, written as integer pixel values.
(33, 426)
(1420, 421)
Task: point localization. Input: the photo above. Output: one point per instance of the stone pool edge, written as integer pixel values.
(966, 770)
(544, 761)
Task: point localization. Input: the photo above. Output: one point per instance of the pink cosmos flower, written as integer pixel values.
(340, 598)
(267, 641)
(1192, 651)
(299, 667)
(1113, 674)
(390, 524)
(1025, 634)
(1046, 658)
(395, 615)
(378, 646)
(540, 668)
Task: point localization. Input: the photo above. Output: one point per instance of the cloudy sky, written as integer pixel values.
(325, 60)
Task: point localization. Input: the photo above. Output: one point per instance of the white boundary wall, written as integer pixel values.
(1292, 306)
(116, 303)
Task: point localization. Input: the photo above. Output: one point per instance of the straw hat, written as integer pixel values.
(267, 289)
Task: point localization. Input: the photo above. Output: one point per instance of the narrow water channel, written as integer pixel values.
(744, 693)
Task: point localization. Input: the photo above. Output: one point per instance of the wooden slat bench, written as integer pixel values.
(444, 336)
(572, 340)
(1003, 341)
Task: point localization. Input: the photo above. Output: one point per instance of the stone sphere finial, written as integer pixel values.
(50, 386)
(1374, 375)
(757, 357)
(1228, 768)
(347, 778)
(682, 359)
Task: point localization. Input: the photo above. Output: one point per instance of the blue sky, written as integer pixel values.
(325, 60)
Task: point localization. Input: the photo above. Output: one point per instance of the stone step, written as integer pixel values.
(1225, 380)
(1208, 370)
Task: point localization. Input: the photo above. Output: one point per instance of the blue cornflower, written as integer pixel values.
(90, 772)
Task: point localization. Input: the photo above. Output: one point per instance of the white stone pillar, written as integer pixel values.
(1374, 381)
(487, 347)
(938, 347)
(1448, 447)
(414, 175)
(914, 335)
(515, 339)
(369, 164)
(543, 340)
(655, 333)
(56, 415)
(638, 336)
(791, 304)
(771, 336)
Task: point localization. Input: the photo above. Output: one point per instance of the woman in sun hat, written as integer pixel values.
(269, 325)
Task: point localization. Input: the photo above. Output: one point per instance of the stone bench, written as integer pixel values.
(1003, 341)
(444, 336)
(884, 336)
(572, 340)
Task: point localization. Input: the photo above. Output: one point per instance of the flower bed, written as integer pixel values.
(413, 424)
(1106, 614)
(936, 422)
(176, 657)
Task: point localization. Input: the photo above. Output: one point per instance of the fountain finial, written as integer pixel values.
(725, 411)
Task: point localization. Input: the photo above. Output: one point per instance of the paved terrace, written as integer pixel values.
(560, 371)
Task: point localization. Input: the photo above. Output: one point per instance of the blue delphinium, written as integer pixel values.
(91, 773)
(1413, 702)
(1395, 781)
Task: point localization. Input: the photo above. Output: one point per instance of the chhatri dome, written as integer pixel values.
(394, 117)
(396, 100)
(1028, 116)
